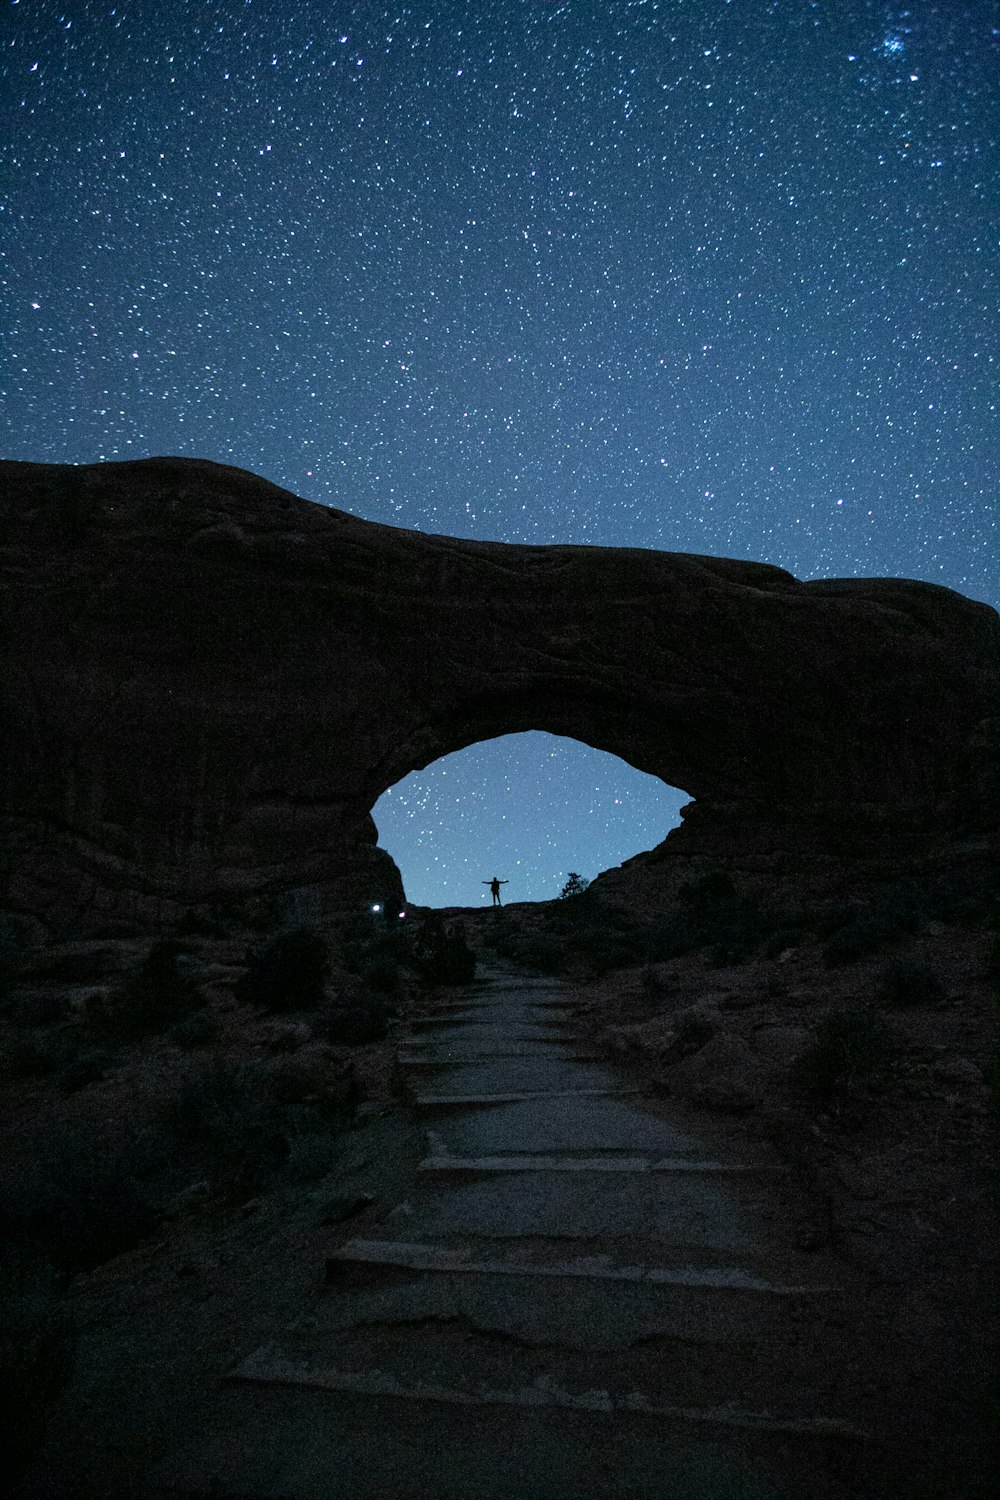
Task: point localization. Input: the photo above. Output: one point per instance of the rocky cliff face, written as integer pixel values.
(209, 682)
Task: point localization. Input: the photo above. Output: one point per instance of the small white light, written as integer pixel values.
(402, 915)
(376, 907)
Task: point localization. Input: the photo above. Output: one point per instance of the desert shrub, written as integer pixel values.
(441, 954)
(787, 934)
(288, 1036)
(353, 1020)
(993, 959)
(80, 1205)
(545, 951)
(311, 1087)
(585, 912)
(575, 885)
(237, 1122)
(12, 948)
(74, 967)
(655, 982)
(991, 1069)
(858, 930)
(857, 939)
(848, 1046)
(199, 1030)
(601, 937)
(692, 1030)
(210, 924)
(671, 936)
(44, 1008)
(159, 995)
(33, 1056)
(311, 1155)
(739, 930)
(709, 913)
(288, 973)
(36, 1354)
(960, 895)
(712, 913)
(708, 891)
(909, 982)
(378, 954)
(601, 950)
(82, 1070)
(226, 1116)
(382, 976)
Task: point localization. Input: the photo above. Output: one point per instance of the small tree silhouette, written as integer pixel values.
(575, 885)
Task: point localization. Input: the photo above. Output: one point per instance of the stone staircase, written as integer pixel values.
(578, 1298)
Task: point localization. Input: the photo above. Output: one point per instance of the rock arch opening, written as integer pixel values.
(529, 807)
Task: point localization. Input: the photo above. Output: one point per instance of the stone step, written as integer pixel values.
(464, 1259)
(487, 1007)
(496, 1039)
(503, 984)
(421, 1374)
(483, 1036)
(574, 1312)
(440, 1162)
(457, 1015)
(478, 1031)
(290, 1442)
(408, 1060)
(451, 1101)
(564, 1127)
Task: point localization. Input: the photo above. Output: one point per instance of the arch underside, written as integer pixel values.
(606, 722)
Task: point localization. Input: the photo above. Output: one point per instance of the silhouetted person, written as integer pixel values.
(494, 886)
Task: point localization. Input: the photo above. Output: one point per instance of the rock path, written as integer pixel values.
(578, 1298)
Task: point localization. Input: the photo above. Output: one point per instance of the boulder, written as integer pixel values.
(723, 1075)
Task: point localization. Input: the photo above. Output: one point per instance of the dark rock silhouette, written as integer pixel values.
(209, 682)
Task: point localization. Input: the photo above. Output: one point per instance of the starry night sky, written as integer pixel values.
(701, 275)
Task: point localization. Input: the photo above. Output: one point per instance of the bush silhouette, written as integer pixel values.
(82, 1205)
(353, 1020)
(12, 946)
(576, 885)
(237, 1123)
(35, 1056)
(708, 891)
(858, 930)
(441, 955)
(158, 996)
(198, 1030)
(544, 951)
(84, 1069)
(288, 973)
(910, 982)
(849, 1046)
(225, 1116)
(36, 1354)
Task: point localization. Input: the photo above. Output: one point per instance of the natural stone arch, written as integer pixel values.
(210, 682)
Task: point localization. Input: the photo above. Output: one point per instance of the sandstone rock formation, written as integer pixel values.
(209, 682)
